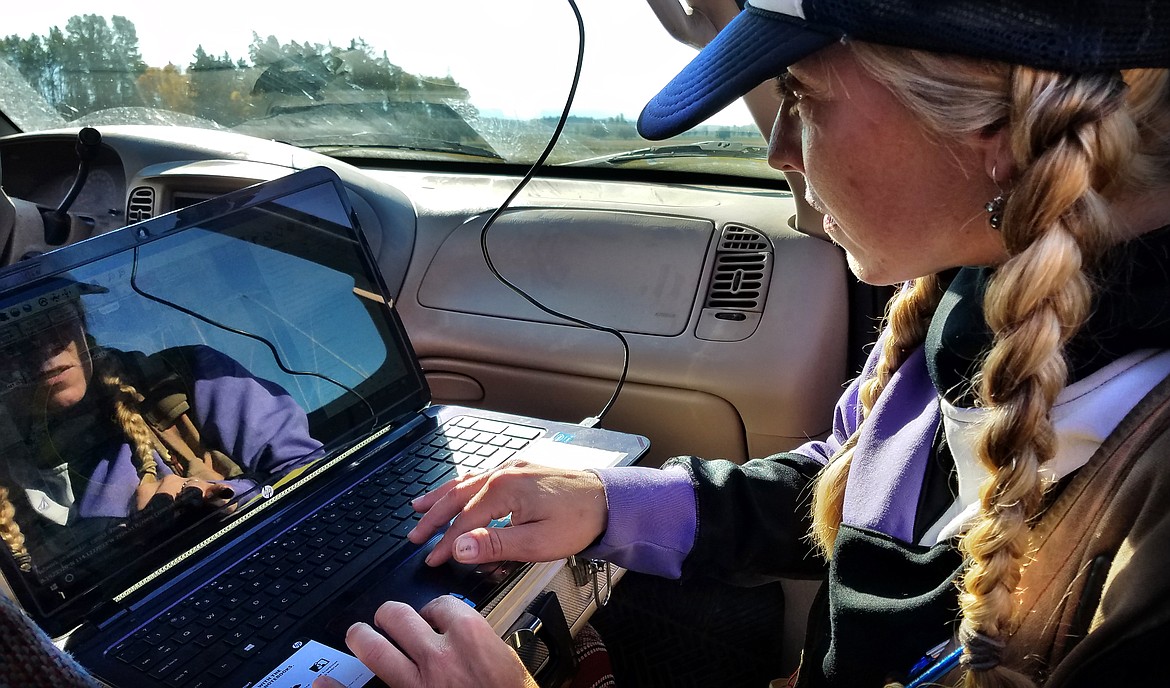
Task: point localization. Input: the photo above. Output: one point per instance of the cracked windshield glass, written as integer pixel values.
(455, 81)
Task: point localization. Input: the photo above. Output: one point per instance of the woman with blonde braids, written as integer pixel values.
(94, 438)
(989, 509)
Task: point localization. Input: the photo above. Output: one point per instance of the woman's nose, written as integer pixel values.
(784, 146)
(48, 343)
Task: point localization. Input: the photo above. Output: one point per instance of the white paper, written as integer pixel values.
(315, 659)
(559, 453)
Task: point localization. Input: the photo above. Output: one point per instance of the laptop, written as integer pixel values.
(281, 425)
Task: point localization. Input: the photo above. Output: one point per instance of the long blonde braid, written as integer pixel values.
(1070, 137)
(127, 409)
(10, 531)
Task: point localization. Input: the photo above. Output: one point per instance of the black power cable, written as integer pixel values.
(516, 191)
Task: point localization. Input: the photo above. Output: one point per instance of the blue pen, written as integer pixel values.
(928, 659)
(938, 669)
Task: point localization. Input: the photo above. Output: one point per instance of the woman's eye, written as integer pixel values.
(783, 87)
(788, 89)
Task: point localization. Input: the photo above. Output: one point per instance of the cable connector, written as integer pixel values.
(589, 422)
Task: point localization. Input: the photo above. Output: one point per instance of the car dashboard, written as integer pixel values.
(736, 323)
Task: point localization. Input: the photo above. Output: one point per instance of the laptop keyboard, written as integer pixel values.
(208, 635)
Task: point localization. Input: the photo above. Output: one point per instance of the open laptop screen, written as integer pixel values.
(230, 344)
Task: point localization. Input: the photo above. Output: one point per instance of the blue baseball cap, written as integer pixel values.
(769, 35)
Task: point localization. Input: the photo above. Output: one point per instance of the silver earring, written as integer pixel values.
(995, 206)
(994, 210)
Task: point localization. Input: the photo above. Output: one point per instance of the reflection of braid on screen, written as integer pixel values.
(127, 413)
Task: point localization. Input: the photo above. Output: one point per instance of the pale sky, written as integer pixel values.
(515, 56)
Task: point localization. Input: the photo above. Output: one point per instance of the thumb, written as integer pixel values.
(327, 682)
(511, 543)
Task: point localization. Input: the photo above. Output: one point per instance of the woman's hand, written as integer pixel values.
(446, 645)
(212, 493)
(555, 513)
(700, 25)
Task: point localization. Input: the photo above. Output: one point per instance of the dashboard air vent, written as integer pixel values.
(742, 270)
(141, 204)
(742, 239)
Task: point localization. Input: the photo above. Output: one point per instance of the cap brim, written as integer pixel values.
(52, 292)
(754, 47)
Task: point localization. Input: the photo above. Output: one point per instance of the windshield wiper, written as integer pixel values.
(334, 148)
(704, 149)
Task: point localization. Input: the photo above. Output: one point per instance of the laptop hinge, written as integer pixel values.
(108, 612)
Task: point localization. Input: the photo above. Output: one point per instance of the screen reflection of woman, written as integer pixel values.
(93, 437)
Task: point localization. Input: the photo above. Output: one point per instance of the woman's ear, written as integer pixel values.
(998, 162)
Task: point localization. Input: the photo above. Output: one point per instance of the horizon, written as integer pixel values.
(485, 64)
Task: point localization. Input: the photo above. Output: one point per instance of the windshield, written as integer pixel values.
(456, 80)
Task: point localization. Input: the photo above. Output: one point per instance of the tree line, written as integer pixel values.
(95, 64)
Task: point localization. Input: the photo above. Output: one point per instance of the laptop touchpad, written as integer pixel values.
(416, 584)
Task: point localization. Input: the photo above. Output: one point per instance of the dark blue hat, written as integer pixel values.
(770, 35)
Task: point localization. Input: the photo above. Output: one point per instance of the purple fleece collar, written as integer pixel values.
(885, 478)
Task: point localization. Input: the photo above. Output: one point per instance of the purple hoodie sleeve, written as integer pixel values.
(254, 421)
(653, 517)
